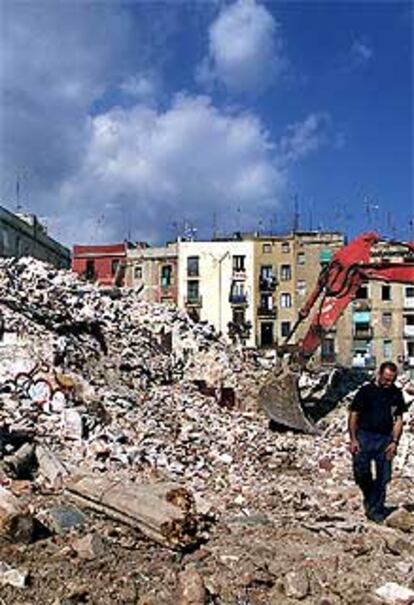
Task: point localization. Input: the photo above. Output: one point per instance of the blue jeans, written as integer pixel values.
(372, 448)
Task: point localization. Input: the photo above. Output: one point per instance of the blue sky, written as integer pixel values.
(128, 119)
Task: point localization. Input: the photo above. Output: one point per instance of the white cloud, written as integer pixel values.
(56, 60)
(142, 87)
(189, 161)
(361, 53)
(245, 49)
(304, 137)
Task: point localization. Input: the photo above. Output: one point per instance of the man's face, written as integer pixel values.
(387, 378)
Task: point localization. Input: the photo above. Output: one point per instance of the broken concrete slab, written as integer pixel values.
(62, 519)
(13, 577)
(89, 547)
(51, 469)
(16, 523)
(392, 593)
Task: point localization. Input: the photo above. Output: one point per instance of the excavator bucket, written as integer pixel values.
(280, 399)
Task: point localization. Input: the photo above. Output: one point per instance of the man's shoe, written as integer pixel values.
(376, 517)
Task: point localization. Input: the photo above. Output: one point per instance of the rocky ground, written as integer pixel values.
(99, 383)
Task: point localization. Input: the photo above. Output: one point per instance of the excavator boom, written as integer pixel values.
(337, 286)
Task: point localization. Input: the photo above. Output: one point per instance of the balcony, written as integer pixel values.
(360, 333)
(265, 312)
(409, 302)
(193, 301)
(408, 331)
(361, 304)
(239, 274)
(238, 299)
(267, 284)
(368, 362)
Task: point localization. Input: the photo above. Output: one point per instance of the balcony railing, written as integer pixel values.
(265, 312)
(368, 362)
(361, 304)
(362, 333)
(267, 284)
(239, 274)
(193, 301)
(409, 302)
(238, 299)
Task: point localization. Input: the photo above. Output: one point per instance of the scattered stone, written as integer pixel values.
(192, 590)
(13, 577)
(401, 519)
(64, 518)
(89, 547)
(394, 594)
(296, 584)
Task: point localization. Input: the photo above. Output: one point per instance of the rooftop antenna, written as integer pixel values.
(296, 215)
(214, 224)
(238, 219)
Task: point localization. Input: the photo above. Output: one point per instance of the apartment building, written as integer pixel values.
(153, 271)
(382, 316)
(101, 264)
(216, 284)
(286, 271)
(24, 235)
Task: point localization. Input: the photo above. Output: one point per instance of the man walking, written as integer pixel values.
(375, 427)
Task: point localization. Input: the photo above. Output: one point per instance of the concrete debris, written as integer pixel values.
(89, 547)
(192, 590)
(148, 421)
(401, 519)
(12, 577)
(394, 594)
(296, 584)
(16, 522)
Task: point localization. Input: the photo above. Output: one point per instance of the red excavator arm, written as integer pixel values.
(338, 284)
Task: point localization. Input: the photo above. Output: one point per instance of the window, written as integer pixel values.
(285, 300)
(193, 293)
(166, 276)
(285, 247)
(409, 292)
(362, 292)
(285, 272)
(238, 316)
(328, 350)
(386, 292)
(387, 320)
(325, 256)
(301, 289)
(387, 349)
(237, 293)
(266, 302)
(193, 266)
(266, 248)
(301, 259)
(284, 328)
(137, 272)
(266, 271)
(239, 263)
(409, 320)
(114, 266)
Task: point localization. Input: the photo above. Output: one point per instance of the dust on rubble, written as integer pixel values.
(137, 468)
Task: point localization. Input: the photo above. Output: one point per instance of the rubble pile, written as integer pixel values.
(117, 415)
